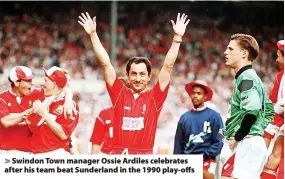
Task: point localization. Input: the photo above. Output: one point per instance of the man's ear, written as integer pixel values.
(149, 77)
(245, 54)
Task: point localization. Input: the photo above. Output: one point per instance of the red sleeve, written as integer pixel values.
(159, 96)
(100, 126)
(274, 91)
(68, 125)
(98, 131)
(4, 110)
(115, 90)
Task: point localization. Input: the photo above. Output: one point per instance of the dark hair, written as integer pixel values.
(138, 60)
(197, 85)
(248, 43)
(12, 83)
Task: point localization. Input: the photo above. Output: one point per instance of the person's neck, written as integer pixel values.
(199, 108)
(137, 92)
(16, 92)
(242, 64)
(56, 92)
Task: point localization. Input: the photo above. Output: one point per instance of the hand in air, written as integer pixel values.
(180, 26)
(88, 24)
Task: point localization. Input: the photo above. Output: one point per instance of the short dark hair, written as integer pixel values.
(138, 60)
(206, 92)
(12, 83)
(248, 43)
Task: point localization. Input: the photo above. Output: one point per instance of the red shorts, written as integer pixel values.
(228, 167)
(209, 165)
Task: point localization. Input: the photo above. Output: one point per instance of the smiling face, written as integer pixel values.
(49, 87)
(24, 87)
(138, 77)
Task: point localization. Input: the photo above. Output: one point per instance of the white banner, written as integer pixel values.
(102, 166)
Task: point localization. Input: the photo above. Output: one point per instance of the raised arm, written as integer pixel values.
(179, 30)
(101, 54)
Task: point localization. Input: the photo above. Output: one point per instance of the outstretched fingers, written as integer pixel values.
(178, 17)
(182, 17)
(185, 17)
(83, 15)
(80, 23)
(82, 20)
(88, 16)
(187, 22)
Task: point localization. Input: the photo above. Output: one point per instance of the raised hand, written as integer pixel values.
(180, 25)
(88, 24)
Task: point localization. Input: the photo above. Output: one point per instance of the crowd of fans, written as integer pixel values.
(33, 41)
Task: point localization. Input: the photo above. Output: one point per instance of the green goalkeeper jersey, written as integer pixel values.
(249, 97)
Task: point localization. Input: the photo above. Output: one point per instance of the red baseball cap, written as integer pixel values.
(20, 73)
(189, 87)
(280, 45)
(56, 75)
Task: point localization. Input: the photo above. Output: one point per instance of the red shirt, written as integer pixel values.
(102, 131)
(43, 138)
(278, 119)
(13, 137)
(274, 91)
(135, 120)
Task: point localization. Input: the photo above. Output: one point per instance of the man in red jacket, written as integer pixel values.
(51, 129)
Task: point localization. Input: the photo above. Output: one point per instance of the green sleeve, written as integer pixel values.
(250, 98)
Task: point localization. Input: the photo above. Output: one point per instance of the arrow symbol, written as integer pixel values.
(7, 160)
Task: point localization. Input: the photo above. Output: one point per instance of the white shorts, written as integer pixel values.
(14, 152)
(281, 131)
(226, 153)
(250, 158)
(58, 152)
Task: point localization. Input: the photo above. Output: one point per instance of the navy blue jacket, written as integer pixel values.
(198, 132)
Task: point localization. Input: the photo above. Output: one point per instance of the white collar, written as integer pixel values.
(199, 109)
(12, 93)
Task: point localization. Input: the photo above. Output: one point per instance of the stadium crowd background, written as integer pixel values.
(43, 34)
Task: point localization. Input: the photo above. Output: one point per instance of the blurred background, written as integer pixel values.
(44, 34)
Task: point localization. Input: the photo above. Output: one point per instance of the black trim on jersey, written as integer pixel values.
(245, 85)
(246, 124)
(242, 70)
